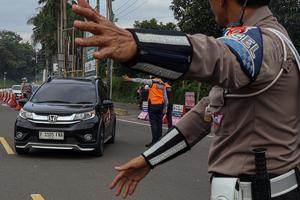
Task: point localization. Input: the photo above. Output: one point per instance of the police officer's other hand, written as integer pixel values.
(130, 174)
(165, 111)
(126, 78)
(113, 42)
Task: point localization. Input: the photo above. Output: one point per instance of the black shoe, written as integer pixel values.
(149, 145)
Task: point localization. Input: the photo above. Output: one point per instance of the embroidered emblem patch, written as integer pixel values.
(247, 45)
(217, 118)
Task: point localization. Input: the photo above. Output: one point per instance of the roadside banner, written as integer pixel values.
(177, 113)
(189, 99)
(90, 64)
(144, 114)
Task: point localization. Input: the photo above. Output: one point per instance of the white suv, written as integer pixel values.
(16, 89)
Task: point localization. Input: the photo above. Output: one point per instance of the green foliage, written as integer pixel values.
(195, 16)
(288, 14)
(153, 24)
(45, 27)
(16, 57)
(8, 83)
(123, 91)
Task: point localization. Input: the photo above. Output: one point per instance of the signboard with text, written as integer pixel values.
(90, 65)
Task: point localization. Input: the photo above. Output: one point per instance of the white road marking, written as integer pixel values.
(138, 123)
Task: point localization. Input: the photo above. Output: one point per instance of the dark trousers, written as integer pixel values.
(155, 117)
(169, 116)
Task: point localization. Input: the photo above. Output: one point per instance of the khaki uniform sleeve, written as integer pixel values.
(192, 124)
(214, 62)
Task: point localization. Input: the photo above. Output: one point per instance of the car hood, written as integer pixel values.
(50, 108)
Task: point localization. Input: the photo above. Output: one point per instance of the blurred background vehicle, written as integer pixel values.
(16, 89)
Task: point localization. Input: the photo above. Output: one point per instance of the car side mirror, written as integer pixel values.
(22, 102)
(107, 103)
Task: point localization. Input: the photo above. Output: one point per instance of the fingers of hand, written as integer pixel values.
(127, 188)
(102, 54)
(128, 165)
(133, 187)
(116, 180)
(88, 26)
(90, 41)
(121, 186)
(84, 3)
(88, 13)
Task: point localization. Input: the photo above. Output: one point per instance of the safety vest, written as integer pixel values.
(156, 93)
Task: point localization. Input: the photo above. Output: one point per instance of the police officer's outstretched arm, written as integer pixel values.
(177, 141)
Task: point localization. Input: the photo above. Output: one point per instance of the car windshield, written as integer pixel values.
(66, 93)
(16, 87)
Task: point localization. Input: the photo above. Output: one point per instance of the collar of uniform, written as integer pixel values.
(257, 16)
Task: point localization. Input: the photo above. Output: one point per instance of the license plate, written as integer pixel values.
(43, 135)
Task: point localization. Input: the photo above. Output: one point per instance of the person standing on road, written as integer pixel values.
(254, 102)
(157, 104)
(26, 88)
(170, 105)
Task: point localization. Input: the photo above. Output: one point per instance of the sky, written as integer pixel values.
(15, 13)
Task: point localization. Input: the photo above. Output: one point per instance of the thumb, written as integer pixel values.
(124, 167)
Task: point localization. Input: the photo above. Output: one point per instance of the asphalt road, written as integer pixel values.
(70, 175)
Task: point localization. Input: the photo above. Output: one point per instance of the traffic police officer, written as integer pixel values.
(254, 104)
(157, 104)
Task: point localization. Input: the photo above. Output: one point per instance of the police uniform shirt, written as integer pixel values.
(269, 120)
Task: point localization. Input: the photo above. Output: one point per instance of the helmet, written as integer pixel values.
(24, 79)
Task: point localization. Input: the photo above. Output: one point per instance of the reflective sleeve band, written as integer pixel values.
(170, 146)
(166, 54)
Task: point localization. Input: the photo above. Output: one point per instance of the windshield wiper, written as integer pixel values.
(84, 102)
(53, 101)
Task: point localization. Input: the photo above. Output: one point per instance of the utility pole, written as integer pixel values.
(4, 79)
(110, 62)
(65, 37)
(97, 61)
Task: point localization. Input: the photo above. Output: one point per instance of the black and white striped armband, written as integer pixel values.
(166, 54)
(168, 147)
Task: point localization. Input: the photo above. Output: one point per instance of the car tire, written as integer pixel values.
(113, 134)
(21, 151)
(99, 150)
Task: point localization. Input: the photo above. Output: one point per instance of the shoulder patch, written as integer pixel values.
(247, 45)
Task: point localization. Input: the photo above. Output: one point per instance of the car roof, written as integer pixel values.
(72, 81)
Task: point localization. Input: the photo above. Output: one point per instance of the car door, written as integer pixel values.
(107, 108)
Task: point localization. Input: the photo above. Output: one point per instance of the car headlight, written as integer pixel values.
(85, 116)
(25, 114)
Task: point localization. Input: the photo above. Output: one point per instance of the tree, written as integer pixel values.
(195, 16)
(153, 24)
(45, 26)
(16, 57)
(288, 14)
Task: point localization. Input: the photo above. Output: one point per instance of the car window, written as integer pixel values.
(16, 87)
(66, 93)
